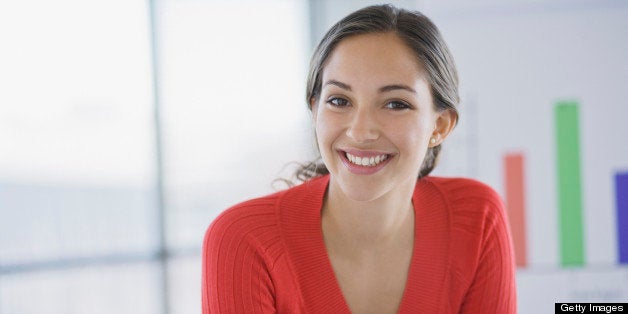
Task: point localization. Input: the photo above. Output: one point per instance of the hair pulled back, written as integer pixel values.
(419, 34)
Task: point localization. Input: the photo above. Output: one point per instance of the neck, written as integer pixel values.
(368, 223)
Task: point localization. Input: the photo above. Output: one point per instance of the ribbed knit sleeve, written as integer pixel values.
(238, 254)
(482, 256)
(493, 287)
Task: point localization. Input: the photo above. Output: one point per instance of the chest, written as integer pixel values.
(373, 286)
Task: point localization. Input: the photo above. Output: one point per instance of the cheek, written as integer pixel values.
(411, 135)
(324, 134)
(325, 127)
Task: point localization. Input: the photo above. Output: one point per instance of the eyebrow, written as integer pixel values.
(382, 89)
(339, 84)
(389, 88)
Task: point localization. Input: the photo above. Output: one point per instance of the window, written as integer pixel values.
(78, 165)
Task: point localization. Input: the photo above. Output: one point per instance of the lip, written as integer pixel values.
(363, 170)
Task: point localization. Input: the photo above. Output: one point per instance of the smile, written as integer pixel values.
(366, 161)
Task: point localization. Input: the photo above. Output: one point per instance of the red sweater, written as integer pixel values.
(267, 255)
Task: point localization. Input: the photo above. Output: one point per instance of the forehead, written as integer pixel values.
(380, 55)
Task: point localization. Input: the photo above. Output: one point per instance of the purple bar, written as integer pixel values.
(621, 192)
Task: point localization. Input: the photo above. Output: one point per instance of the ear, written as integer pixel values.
(445, 122)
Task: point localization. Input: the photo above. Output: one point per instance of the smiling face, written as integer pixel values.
(375, 117)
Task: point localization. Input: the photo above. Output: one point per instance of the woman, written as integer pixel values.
(362, 234)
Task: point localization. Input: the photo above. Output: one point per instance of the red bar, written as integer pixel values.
(515, 204)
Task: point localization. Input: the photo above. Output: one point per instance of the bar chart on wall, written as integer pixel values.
(574, 272)
(543, 121)
(571, 225)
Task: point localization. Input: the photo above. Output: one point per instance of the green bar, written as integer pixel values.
(569, 187)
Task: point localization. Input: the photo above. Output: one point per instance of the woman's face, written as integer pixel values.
(375, 117)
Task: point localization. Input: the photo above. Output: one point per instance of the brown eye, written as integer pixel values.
(398, 105)
(338, 102)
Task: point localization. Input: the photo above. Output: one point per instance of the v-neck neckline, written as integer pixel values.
(299, 212)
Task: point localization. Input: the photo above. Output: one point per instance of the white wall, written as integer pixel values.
(516, 60)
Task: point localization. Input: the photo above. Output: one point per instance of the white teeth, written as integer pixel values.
(366, 161)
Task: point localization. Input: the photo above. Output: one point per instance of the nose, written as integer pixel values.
(363, 126)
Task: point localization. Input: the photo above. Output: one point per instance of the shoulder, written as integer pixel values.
(468, 196)
(250, 210)
(257, 222)
(474, 208)
(250, 225)
(477, 215)
(464, 189)
(479, 231)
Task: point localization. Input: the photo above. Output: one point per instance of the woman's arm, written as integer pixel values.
(493, 289)
(235, 276)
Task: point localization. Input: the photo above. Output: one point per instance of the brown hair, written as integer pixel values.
(421, 36)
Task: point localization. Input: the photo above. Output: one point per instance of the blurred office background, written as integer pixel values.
(127, 126)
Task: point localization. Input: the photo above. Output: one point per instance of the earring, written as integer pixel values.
(433, 140)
